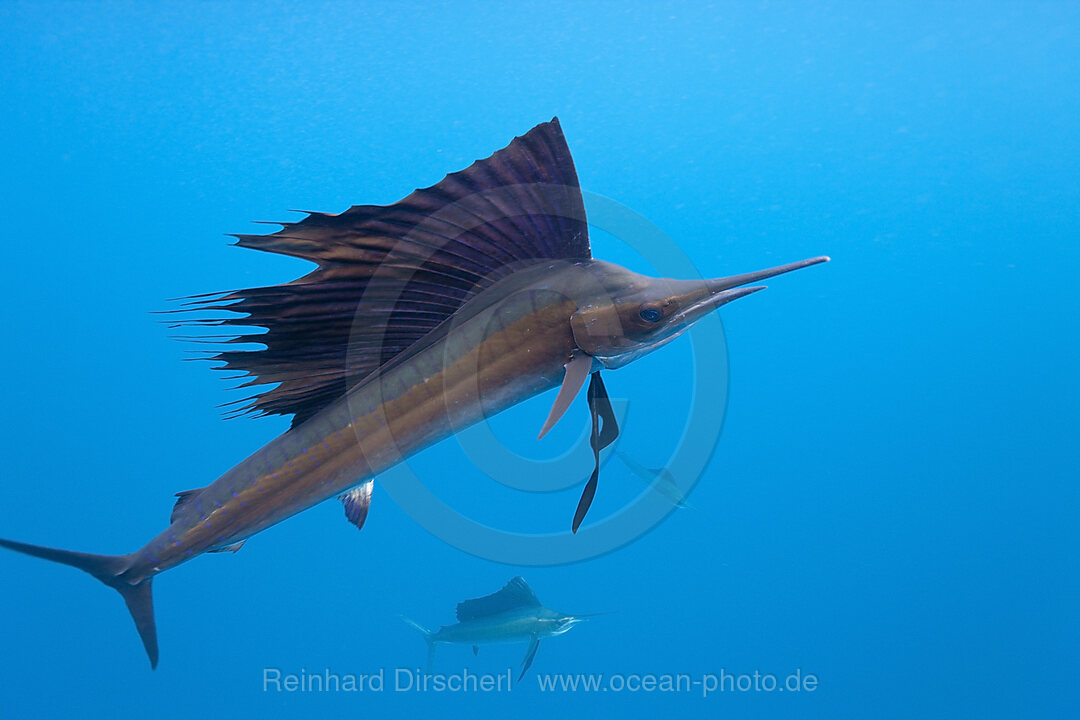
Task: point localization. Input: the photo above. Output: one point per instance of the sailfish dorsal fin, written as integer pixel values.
(413, 263)
(515, 594)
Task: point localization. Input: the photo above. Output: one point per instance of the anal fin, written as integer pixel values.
(357, 502)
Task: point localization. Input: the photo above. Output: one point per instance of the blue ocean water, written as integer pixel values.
(891, 507)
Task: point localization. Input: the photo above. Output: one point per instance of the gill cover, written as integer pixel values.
(597, 328)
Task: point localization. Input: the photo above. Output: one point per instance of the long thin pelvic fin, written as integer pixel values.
(576, 372)
(108, 569)
(601, 437)
(530, 655)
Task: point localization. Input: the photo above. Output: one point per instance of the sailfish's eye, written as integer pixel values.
(650, 314)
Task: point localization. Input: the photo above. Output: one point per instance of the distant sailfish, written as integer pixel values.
(659, 479)
(422, 318)
(510, 615)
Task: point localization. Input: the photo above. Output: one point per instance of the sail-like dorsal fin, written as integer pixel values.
(515, 594)
(412, 264)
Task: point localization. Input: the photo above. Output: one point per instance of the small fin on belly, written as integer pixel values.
(475, 650)
(576, 372)
(182, 499)
(228, 548)
(357, 502)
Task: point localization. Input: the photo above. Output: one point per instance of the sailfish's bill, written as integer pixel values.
(420, 318)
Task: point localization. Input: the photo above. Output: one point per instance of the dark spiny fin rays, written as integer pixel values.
(109, 569)
(515, 594)
(413, 264)
(600, 438)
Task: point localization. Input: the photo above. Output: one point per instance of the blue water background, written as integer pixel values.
(892, 505)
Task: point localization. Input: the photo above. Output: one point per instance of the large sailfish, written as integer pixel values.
(421, 318)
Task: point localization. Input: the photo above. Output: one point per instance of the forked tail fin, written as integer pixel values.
(109, 570)
(427, 638)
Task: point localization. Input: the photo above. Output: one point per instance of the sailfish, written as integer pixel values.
(421, 318)
(513, 613)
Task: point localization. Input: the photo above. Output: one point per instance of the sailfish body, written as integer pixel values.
(512, 614)
(422, 317)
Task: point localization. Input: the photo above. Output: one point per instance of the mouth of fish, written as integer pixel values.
(682, 320)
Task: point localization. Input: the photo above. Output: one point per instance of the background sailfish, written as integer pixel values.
(509, 615)
(421, 318)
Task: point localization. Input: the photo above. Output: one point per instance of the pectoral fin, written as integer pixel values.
(576, 372)
(529, 655)
(475, 650)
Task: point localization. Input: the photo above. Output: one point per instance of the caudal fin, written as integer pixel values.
(427, 638)
(108, 569)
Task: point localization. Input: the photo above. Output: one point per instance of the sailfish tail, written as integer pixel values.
(428, 635)
(109, 569)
